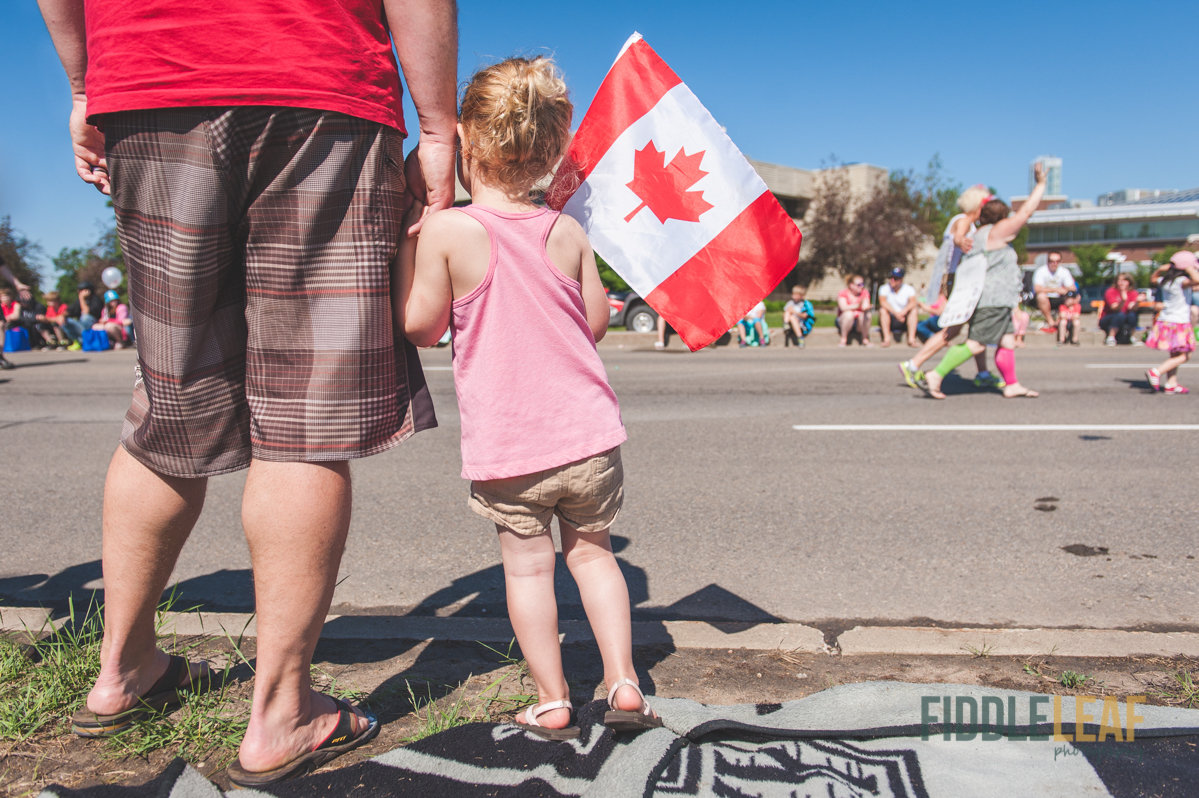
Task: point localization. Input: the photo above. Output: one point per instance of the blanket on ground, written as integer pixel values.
(879, 739)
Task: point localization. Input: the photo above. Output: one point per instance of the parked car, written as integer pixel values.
(627, 309)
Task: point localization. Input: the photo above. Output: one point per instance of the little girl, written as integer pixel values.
(518, 286)
(1172, 331)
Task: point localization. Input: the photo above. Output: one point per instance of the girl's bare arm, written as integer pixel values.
(421, 291)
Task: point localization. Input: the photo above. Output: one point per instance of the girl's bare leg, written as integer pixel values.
(606, 600)
(864, 328)
(1169, 369)
(533, 610)
(934, 345)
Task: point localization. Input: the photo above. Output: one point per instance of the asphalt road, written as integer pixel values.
(731, 514)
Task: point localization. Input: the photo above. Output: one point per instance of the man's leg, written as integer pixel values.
(296, 516)
(912, 320)
(1046, 311)
(147, 518)
(884, 323)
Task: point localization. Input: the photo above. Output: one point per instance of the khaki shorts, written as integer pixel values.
(586, 494)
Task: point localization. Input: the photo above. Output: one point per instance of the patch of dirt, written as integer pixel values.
(381, 672)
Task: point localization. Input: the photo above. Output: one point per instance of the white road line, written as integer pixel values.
(996, 427)
(1133, 365)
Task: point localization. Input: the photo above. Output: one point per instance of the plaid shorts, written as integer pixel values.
(258, 243)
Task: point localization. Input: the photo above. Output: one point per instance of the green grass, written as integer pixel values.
(437, 716)
(1072, 680)
(1183, 691)
(43, 683)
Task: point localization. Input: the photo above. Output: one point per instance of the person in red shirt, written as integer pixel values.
(253, 153)
(50, 323)
(1120, 303)
(1069, 319)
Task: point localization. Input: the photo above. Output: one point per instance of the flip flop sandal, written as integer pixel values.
(340, 741)
(530, 723)
(165, 696)
(624, 720)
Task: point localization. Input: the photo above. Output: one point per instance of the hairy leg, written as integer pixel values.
(147, 518)
(884, 323)
(296, 516)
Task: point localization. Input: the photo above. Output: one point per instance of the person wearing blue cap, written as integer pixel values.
(115, 321)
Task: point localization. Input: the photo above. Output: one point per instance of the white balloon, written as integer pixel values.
(112, 277)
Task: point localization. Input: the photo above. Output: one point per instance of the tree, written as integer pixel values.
(872, 235)
(932, 196)
(80, 264)
(886, 233)
(1163, 257)
(828, 242)
(1020, 244)
(608, 276)
(1093, 264)
(20, 255)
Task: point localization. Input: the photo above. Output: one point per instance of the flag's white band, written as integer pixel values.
(645, 251)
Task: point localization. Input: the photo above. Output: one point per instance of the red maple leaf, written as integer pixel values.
(663, 188)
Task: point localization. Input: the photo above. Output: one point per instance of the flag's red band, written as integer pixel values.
(634, 85)
(706, 296)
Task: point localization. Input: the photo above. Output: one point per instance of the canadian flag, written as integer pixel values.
(670, 202)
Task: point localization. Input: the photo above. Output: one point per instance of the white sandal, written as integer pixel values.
(530, 723)
(624, 720)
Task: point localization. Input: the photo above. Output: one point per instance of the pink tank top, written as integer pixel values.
(532, 391)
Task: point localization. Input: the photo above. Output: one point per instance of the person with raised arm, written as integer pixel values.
(991, 324)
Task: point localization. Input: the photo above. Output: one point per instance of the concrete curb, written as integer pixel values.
(864, 640)
(859, 641)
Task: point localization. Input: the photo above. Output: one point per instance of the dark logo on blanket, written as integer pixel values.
(773, 770)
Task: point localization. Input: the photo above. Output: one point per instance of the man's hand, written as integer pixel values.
(437, 161)
(1040, 173)
(87, 142)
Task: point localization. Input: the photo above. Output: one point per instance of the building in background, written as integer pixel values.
(1133, 229)
(1053, 166)
(1131, 195)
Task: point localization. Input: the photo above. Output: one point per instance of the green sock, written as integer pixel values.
(956, 356)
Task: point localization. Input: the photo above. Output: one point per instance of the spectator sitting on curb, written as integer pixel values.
(82, 314)
(898, 311)
(114, 320)
(12, 310)
(50, 322)
(929, 327)
(23, 293)
(853, 310)
(1120, 304)
(753, 329)
(799, 317)
(1069, 319)
(1051, 282)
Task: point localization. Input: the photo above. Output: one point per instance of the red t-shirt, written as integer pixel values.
(330, 55)
(53, 312)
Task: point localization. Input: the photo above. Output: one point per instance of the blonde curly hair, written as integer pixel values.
(971, 198)
(516, 116)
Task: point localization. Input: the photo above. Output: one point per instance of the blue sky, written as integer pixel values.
(1102, 85)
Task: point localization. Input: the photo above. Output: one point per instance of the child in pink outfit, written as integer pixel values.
(518, 287)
